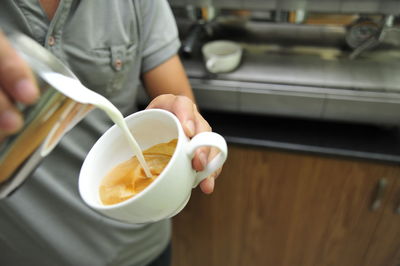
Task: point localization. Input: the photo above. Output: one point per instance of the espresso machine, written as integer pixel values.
(333, 60)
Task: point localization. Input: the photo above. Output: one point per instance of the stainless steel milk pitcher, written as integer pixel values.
(45, 122)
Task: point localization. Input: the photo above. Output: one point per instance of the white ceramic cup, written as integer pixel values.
(221, 56)
(168, 194)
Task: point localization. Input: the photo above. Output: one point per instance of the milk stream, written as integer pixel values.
(75, 90)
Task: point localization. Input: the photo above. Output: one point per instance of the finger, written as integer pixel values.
(217, 173)
(207, 185)
(181, 106)
(10, 118)
(213, 153)
(201, 157)
(184, 109)
(163, 101)
(2, 136)
(16, 78)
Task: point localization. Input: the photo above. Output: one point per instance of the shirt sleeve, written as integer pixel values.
(160, 40)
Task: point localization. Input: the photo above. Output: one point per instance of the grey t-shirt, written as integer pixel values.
(107, 44)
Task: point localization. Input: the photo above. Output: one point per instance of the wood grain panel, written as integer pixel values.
(278, 208)
(385, 245)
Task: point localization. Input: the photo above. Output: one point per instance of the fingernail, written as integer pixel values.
(26, 91)
(190, 127)
(203, 159)
(10, 121)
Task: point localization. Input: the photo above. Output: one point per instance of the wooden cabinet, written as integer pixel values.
(280, 208)
(385, 245)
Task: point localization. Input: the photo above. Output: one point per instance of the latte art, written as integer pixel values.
(128, 178)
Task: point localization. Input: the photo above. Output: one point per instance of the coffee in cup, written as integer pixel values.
(128, 179)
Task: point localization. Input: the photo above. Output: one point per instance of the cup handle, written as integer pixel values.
(210, 139)
(211, 63)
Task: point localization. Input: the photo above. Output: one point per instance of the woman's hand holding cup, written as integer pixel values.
(193, 123)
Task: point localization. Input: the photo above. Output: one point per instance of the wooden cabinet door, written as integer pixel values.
(280, 208)
(385, 245)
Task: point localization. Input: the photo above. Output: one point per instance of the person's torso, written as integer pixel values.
(45, 222)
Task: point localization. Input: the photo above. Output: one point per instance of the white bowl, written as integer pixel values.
(222, 56)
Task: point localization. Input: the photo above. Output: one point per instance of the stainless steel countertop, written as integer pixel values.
(310, 66)
(306, 82)
(300, 71)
